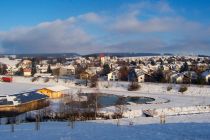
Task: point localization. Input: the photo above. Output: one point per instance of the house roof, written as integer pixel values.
(19, 98)
(9, 62)
(57, 88)
(206, 73)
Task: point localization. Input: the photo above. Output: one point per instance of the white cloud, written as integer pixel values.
(143, 45)
(56, 36)
(140, 27)
(92, 17)
(159, 7)
(132, 22)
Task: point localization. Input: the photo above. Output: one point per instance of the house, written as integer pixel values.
(102, 59)
(206, 76)
(132, 76)
(53, 92)
(184, 77)
(113, 76)
(177, 78)
(26, 64)
(164, 67)
(22, 102)
(85, 75)
(140, 75)
(27, 72)
(67, 70)
(94, 70)
(10, 65)
(44, 75)
(42, 68)
(190, 77)
(202, 67)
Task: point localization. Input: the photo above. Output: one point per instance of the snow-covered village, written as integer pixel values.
(104, 70)
(109, 92)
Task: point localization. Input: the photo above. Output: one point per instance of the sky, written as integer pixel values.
(94, 26)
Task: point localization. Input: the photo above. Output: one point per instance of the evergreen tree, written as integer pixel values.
(33, 67)
(123, 73)
(20, 72)
(184, 67)
(133, 63)
(106, 69)
(159, 76)
(4, 69)
(49, 70)
(153, 62)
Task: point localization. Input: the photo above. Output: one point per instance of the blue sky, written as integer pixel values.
(31, 12)
(89, 26)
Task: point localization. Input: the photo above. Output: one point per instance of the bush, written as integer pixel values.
(93, 82)
(169, 88)
(182, 89)
(133, 86)
(46, 80)
(33, 79)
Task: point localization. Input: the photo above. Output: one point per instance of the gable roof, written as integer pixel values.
(20, 98)
(57, 88)
(206, 73)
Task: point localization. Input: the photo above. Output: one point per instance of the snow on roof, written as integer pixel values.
(68, 67)
(57, 88)
(9, 62)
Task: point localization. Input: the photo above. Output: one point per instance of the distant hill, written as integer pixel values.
(62, 55)
(123, 54)
(200, 55)
(45, 55)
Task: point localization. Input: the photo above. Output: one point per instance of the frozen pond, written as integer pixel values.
(106, 100)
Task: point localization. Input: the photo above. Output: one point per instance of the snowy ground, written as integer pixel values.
(97, 131)
(194, 96)
(12, 88)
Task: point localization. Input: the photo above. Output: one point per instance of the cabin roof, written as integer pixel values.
(21, 98)
(57, 88)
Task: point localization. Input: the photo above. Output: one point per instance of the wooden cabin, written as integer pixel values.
(12, 105)
(53, 92)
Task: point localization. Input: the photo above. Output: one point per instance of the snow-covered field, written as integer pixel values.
(146, 88)
(12, 88)
(99, 131)
(194, 96)
(189, 127)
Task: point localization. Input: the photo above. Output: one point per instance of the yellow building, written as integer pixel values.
(85, 75)
(53, 92)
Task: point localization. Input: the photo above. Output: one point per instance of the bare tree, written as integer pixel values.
(37, 123)
(162, 118)
(120, 108)
(94, 81)
(69, 105)
(71, 111)
(60, 108)
(56, 72)
(12, 122)
(92, 103)
(79, 103)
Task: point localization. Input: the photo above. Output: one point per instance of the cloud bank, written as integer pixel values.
(139, 27)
